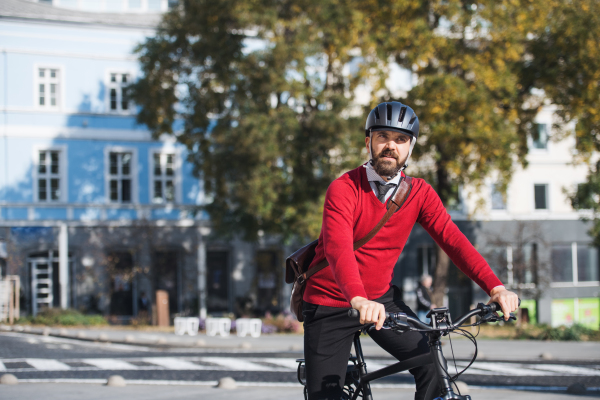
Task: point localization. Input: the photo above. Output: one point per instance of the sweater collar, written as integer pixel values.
(373, 176)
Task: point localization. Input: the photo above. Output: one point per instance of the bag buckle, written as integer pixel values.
(301, 279)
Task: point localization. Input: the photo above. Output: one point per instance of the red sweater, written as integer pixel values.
(351, 210)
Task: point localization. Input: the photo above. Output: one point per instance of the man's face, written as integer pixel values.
(389, 150)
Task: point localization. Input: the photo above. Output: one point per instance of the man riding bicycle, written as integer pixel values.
(361, 279)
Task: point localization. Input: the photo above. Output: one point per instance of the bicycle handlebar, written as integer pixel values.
(400, 319)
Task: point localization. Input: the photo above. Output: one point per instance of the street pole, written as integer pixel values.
(63, 265)
(201, 274)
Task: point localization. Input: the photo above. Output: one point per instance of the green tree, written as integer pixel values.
(258, 92)
(564, 64)
(474, 113)
(270, 125)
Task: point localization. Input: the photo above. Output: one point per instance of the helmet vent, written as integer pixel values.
(412, 119)
(402, 114)
(377, 113)
(389, 112)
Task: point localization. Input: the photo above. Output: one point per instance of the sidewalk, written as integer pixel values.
(501, 350)
(69, 391)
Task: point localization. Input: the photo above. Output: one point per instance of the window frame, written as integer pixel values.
(61, 87)
(134, 174)
(109, 85)
(62, 174)
(177, 178)
(498, 210)
(548, 205)
(547, 143)
(574, 282)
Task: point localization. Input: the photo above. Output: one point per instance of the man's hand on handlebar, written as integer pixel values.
(371, 312)
(508, 300)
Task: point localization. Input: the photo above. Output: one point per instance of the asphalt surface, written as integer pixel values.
(62, 391)
(73, 363)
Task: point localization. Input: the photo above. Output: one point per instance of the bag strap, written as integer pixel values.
(393, 204)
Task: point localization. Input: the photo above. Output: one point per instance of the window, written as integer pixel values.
(575, 264)
(163, 178)
(587, 264)
(117, 94)
(154, 5)
(541, 196)
(120, 177)
(498, 202)
(562, 263)
(497, 258)
(540, 136)
(48, 88)
(135, 4)
(48, 175)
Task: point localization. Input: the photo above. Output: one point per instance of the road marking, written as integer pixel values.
(47, 365)
(174, 363)
(109, 363)
(295, 384)
(276, 365)
(236, 364)
(289, 363)
(504, 369)
(567, 369)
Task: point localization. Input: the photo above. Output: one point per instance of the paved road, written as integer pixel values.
(35, 358)
(182, 392)
(497, 350)
(152, 392)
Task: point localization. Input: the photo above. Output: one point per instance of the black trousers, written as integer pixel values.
(328, 337)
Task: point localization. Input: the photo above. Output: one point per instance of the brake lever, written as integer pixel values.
(490, 317)
(401, 326)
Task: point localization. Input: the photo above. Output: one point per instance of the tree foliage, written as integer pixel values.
(564, 63)
(474, 111)
(270, 96)
(269, 127)
(259, 91)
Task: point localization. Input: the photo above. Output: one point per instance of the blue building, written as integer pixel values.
(94, 213)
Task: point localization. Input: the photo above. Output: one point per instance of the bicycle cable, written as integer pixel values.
(454, 361)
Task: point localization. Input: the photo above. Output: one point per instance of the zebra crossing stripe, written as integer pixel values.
(47, 365)
(174, 363)
(508, 369)
(566, 369)
(109, 363)
(289, 363)
(277, 365)
(236, 364)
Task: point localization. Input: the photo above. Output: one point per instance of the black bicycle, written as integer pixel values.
(357, 382)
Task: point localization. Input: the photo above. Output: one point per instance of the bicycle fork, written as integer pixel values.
(441, 366)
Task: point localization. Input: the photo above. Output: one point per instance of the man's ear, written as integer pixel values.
(367, 141)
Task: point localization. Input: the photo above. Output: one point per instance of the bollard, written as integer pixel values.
(116, 381)
(227, 383)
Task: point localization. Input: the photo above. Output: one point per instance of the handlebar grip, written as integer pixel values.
(352, 313)
(496, 307)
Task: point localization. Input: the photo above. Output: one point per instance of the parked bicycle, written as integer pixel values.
(357, 381)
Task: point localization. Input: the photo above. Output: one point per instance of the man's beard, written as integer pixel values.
(385, 167)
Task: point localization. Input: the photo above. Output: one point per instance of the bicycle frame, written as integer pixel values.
(435, 356)
(441, 324)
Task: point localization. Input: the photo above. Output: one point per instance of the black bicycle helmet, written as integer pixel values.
(395, 116)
